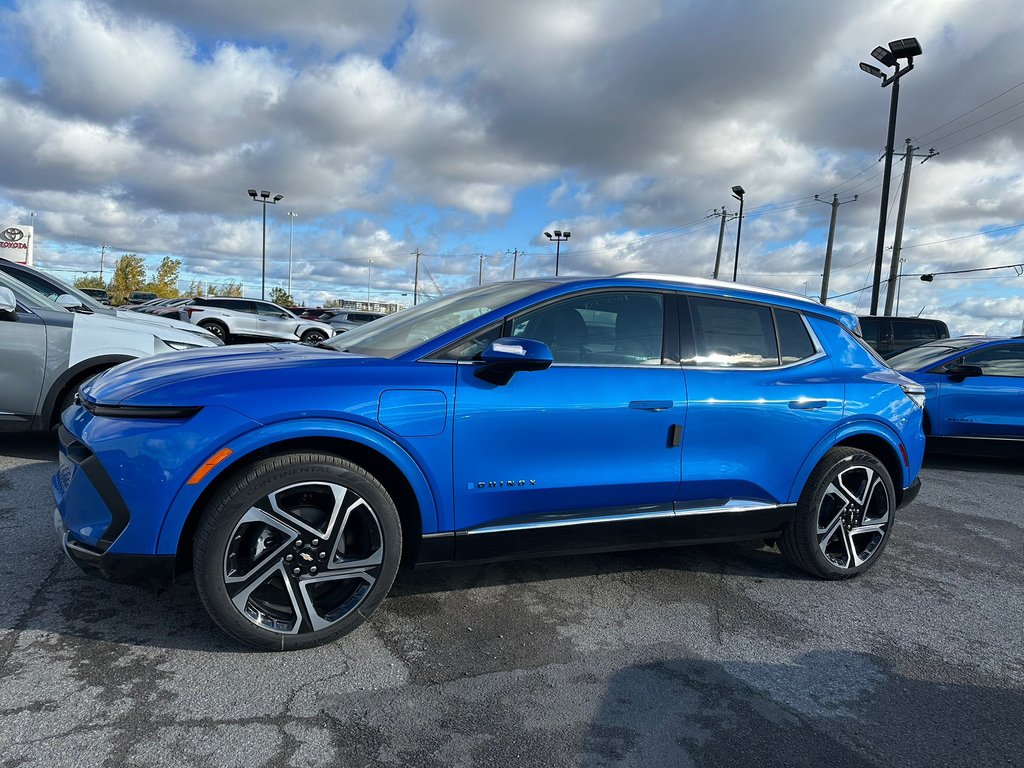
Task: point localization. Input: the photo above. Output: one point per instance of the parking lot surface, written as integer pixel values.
(707, 656)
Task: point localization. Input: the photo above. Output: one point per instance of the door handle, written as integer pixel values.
(650, 405)
(807, 405)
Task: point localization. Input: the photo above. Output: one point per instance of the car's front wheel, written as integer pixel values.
(844, 516)
(297, 551)
(313, 336)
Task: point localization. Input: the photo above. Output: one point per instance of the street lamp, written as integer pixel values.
(558, 239)
(738, 193)
(905, 48)
(291, 225)
(368, 263)
(264, 199)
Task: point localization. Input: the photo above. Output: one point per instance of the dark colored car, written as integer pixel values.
(100, 294)
(891, 335)
(518, 418)
(141, 297)
(974, 388)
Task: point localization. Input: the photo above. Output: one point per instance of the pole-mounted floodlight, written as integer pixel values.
(738, 192)
(559, 238)
(264, 200)
(904, 48)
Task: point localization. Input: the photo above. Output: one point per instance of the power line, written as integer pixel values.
(985, 133)
(975, 109)
(963, 237)
(976, 122)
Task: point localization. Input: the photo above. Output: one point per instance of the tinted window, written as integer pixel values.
(269, 310)
(471, 347)
(236, 304)
(606, 328)
(869, 330)
(1007, 360)
(38, 284)
(911, 333)
(732, 334)
(794, 340)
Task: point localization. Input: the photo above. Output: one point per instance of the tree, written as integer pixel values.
(281, 297)
(225, 289)
(89, 281)
(196, 288)
(129, 275)
(165, 282)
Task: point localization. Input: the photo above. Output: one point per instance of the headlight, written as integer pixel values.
(180, 344)
(915, 392)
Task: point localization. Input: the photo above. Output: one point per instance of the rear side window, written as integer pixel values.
(869, 331)
(912, 333)
(999, 361)
(732, 334)
(794, 341)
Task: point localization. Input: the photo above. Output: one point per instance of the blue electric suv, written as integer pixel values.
(519, 418)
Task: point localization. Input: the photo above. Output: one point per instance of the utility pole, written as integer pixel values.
(908, 163)
(827, 271)
(515, 261)
(481, 280)
(103, 250)
(416, 280)
(726, 216)
(291, 226)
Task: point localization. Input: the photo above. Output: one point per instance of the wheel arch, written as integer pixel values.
(72, 376)
(870, 436)
(410, 501)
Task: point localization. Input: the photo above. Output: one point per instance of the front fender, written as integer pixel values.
(263, 436)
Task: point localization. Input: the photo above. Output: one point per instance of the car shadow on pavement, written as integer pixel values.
(29, 445)
(1002, 465)
(827, 707)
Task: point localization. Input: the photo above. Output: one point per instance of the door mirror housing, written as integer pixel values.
(68, 301)
(7, 301)
(507, 356)
(961, 372)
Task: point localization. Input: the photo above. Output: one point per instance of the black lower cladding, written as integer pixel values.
(619, 534)
(910, 492)
(149, 571)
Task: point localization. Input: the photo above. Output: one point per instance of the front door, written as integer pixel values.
(990, 405)
(23, 344)
(591, 439)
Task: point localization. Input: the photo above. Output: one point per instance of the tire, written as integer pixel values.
(313, 337)
(218, 329)
(843, 518)
(67, 397)
(296, 551)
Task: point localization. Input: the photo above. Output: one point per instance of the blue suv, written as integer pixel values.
(518, 418)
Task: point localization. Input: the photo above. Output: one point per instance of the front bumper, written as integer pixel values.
(151, 571)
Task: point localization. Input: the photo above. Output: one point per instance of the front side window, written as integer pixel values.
(732, 334)
(1006, 360)
(603, 328)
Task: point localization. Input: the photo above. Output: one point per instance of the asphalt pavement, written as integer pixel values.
(705, 656)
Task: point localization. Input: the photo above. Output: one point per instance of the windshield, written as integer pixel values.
(53, 287)
(396, 334)
(924, 356)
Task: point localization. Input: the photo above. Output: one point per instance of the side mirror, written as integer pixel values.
(961, 372)
(506, 356)
(68, 301)
(7, 301)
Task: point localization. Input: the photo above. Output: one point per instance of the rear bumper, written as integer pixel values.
(910, 492)
(150, 571)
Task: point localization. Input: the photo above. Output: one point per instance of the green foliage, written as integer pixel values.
(281, 297)
(129, 275)
(225, 289)
(89, 281)
(165, 283)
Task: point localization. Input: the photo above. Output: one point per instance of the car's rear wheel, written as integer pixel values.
(217, 329)
(844, 516)
(297, 551)
(313, 336)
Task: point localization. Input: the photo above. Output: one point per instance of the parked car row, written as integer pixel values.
(236, 318)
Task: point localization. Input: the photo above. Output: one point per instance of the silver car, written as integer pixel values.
(231, 318)
(48, 351)
(346, 320)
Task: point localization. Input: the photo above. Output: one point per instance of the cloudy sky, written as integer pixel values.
(462, 129)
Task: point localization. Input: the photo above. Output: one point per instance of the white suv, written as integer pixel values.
(48, 351)
(229, 318)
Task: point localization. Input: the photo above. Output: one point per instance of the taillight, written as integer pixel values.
(191, 310)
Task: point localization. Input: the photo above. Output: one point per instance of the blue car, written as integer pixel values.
(519, 418)
(974, 388)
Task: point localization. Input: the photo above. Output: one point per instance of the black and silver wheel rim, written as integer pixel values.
(216, 330)
(314, 337)
(303, 558)
(853, 517)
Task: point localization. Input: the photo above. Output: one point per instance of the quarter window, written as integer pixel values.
(1006, 360)
(606, 328)
(794, 341)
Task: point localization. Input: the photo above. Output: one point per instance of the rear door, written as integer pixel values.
(761, 395)
(990, 405)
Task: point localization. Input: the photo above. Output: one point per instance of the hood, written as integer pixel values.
(196, 377)
(166, 322)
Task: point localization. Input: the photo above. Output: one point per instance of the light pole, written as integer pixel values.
(480, 280)
(368, 267)
(738, 193)
(906, 48)
(264, 198)
(559, 238)
(291, 225)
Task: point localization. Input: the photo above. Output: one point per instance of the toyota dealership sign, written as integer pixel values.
(16, 243)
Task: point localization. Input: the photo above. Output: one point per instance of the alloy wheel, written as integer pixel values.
(853, 516)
